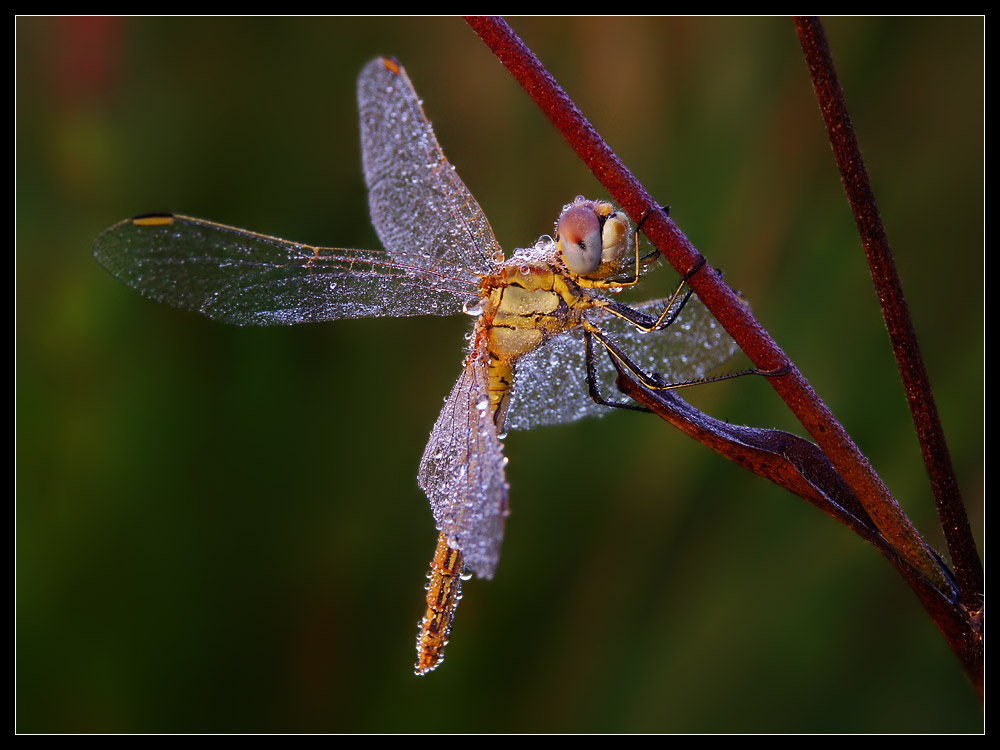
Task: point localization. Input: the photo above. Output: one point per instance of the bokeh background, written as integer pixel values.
(219, 529)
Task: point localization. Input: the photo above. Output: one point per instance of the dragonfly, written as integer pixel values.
(531, 360)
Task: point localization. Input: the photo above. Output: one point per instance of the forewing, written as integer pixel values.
(423, 213)
(244, 278)
(462, 471)
(550, 383)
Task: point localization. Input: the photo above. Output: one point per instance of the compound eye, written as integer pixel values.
(579, 238)
(616, 239)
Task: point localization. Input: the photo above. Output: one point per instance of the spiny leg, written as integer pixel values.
(647, 323)
(655, 381)
(592, 385)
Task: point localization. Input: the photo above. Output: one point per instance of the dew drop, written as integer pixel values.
(475, 309)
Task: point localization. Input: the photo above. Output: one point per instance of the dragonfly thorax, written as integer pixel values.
(525, 305)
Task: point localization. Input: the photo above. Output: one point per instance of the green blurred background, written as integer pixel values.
(219, 529)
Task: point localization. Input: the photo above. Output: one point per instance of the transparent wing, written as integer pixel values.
(550, 383)
(245, 278)
(462, 471)
(423, 213)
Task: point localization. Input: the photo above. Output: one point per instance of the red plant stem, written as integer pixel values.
(916, 384)
(723, 303)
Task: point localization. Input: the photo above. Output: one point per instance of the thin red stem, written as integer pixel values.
(902, 335)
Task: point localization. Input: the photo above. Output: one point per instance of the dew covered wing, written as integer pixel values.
(462, 471)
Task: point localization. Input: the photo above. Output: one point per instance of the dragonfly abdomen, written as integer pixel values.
(444, 589)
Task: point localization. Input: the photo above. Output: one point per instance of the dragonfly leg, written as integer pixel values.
(655, 381)
(646, 214)
(595, 391)
(666, 210)
(647, 323)
(666, 317)
(777, 372)
(642, 220)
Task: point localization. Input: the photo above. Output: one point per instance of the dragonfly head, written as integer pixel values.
(594, 239)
